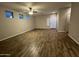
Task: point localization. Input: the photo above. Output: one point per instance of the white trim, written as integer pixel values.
(14, 35)
(73, 39)
(42, 28)
(61, 31)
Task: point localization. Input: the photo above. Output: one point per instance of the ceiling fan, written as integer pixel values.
(32, 11)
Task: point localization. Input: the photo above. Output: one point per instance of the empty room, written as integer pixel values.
(39, 29)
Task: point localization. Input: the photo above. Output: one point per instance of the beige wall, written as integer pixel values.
(15, 26)
(41, 21)
(68, 13)
(74, 22)
(63, 21)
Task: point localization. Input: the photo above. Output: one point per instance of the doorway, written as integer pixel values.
(53, 21)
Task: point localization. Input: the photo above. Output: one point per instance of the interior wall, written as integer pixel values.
(57, 24)
(14, 26)
(64, 19)
(42, 21)
(68, 13)
(74, 22)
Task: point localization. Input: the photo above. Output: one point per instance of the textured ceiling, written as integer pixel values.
(41, 7)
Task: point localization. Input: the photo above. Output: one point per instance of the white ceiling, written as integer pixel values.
(41, 7)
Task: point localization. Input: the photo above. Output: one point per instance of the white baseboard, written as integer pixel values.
(73, 39)
(42, 28)
(14, 35)
(61, 31)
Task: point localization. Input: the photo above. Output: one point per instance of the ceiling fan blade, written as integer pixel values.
(34, 11)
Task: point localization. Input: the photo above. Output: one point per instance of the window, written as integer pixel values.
(20, 16)
(9, 14)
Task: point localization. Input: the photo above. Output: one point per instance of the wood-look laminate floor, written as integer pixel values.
(40, 43)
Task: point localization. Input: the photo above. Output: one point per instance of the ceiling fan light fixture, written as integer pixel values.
(30, 13)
